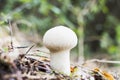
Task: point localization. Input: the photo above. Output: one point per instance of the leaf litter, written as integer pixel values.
(34, 67)
(14, 65)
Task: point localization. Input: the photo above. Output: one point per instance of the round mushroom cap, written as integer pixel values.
(59, 38)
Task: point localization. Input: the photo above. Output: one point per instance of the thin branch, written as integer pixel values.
(104, 61)
(21, 47)
(11, 33)
(27, 51)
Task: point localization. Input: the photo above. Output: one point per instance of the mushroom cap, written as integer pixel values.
(59, 38)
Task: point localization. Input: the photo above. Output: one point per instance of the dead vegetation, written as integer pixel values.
(34, 67)
(31, 64)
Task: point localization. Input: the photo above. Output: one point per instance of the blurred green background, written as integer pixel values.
(96, 22)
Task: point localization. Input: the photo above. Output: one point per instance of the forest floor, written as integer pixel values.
(30, 63)
(35, 66)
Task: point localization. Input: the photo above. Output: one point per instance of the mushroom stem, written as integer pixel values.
(60, 61)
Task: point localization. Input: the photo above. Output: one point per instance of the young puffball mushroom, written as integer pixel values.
(60, 40)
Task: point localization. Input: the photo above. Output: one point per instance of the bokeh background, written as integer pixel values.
(96, 23)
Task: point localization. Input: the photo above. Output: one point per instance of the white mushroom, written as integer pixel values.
(60, 40)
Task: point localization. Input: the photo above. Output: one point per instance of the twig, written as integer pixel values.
(22, 75)
(27, 51)
(11, 33)
(22, 47)
(104, 61)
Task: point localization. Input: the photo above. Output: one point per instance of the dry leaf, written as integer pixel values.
(105, 74)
